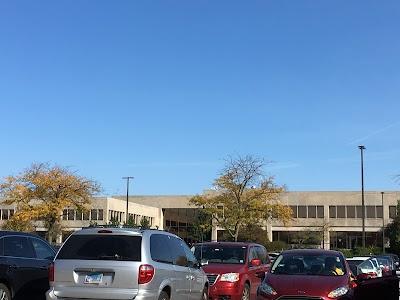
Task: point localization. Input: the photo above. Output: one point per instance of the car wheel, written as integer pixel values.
(205, 294)
(4, 292)
(246, 292)
(163, 296)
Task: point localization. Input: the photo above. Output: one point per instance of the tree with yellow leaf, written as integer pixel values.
(43, 191)
(243, 195)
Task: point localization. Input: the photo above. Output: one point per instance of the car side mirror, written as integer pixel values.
(255, 262)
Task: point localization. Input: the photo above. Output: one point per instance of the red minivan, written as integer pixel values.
(233, 268)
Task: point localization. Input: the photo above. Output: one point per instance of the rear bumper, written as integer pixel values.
(100, 293)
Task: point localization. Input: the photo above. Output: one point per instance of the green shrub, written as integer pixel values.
(276, 246)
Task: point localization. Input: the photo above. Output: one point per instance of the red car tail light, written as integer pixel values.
(51, 272)
(353, 284)
(146, 274)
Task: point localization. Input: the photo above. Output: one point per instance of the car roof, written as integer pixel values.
(382, 258)
(11, 232)
(312, 252)
(116, 230)
(364, 257)
(390, 254)
(243, 244)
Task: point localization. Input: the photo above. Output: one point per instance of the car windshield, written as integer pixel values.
(367, 265)
(383, 261)
(220, 254)
(308, 264)
(375, 263)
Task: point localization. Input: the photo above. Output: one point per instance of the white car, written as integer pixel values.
(374, 262)
(366, 264)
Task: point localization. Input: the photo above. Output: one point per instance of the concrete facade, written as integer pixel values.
(327, 212)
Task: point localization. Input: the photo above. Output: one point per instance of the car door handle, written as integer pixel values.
(14, 267)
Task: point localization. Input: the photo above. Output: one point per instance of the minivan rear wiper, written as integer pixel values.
(115, 256)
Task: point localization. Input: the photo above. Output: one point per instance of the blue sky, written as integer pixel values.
(164, 90)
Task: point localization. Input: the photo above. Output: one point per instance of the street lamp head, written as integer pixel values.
(361, 147)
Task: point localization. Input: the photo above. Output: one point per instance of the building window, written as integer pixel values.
(341, 211)
(93, 214)
(371, 212)
(71, 215)
(4, 214)
(332, 212)
(302, 211)
(359, 211)
(392, 212)
(351, 212)
(65, 214)
(320, 212)
(379, 212)
(312, 211)
(86, 215)
(100, 215)
(294, 209)
(79, 215)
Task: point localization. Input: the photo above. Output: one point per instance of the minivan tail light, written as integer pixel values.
(104, 231)
(51, 272)
(146, 274)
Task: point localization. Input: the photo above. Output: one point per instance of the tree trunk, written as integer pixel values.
(50, 232)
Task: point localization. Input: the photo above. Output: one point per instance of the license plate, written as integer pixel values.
(93, 278)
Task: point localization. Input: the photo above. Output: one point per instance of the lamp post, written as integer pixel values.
(127, 196)
(383, 226)
(362, 198)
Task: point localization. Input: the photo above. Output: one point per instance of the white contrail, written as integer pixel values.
(373, 133)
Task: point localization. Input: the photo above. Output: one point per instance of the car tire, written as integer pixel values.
(4, 292)
(204, 296)
(246, 292)
(163, 296)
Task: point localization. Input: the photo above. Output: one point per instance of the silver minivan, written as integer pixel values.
(126, 263)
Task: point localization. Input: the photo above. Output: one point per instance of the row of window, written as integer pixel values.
(98, 215)
(341, 211)
(77, 215)
(355, 211)
(303, 211)
(177, 224)
(5, 214)
(137, 219)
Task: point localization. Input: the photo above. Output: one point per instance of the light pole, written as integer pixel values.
(362, 199)
(383, 226)
(127, 197)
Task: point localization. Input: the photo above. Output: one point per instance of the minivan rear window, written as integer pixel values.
(106, 247)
